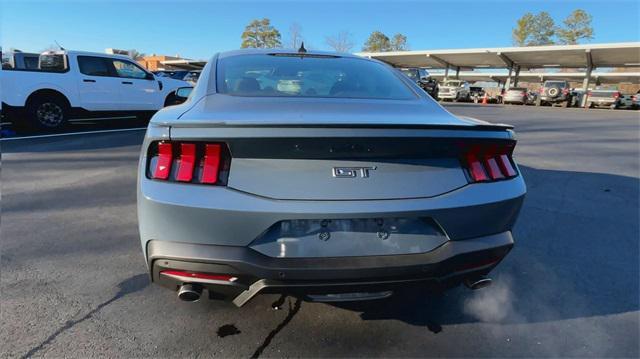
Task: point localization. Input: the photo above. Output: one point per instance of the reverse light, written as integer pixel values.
(189, 162)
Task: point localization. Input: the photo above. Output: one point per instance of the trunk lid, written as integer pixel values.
(237, 110)
(295, 150)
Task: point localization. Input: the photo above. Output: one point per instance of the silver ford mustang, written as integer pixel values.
(322, 175)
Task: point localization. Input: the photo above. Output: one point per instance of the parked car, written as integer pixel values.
(423, 79)
(69, 84)
(174, 74)
(456, 90)
(476, 93)
(518, 95)
(555, 92)
(612, 99)
(192, 77)
(18, 60)
(344, 191)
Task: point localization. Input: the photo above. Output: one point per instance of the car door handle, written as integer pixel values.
(127, 83)
(88, 80)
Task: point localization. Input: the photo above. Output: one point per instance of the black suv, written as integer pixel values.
(553, 92)
(423, 79)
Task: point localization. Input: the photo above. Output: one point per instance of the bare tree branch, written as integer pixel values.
(340, 42)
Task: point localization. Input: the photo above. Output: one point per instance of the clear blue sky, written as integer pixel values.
(197, 29)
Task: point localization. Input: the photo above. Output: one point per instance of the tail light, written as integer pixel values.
(489, 162)
(189, 162)
(541, 90)
(616, 94)
(565, 91)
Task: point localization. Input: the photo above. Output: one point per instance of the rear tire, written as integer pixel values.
(47, 113)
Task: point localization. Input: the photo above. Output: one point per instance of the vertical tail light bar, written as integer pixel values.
(488, 162)
(211, 163)
(165, 158)
(476, 170)
(186, 162)
(193, 162)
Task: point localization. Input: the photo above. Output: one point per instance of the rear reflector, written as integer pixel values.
(211, 163)
(187, 162)
(198, 275)
(165, 157)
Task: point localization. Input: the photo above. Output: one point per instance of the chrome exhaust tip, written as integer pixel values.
(190, 292)
(477, 283)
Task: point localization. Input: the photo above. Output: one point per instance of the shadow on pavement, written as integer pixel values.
(576, 256)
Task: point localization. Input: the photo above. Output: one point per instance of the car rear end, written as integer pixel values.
(448, 91)
(555, 91)
(515, 95)
(320, 197)
(603, 98)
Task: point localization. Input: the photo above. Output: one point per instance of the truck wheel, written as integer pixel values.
(47, 113)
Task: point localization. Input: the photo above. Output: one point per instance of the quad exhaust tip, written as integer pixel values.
(190, 292)
(477, 283)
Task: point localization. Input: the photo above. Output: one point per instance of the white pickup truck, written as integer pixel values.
(70, 84)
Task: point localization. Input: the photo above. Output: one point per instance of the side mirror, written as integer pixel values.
(182, 94)
(150, 76)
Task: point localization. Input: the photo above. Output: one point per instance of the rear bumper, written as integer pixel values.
(602, 101)
(514, 99)
(554, 99)
(446, 266)
(447, 95)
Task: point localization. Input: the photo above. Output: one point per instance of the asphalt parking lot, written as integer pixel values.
(73, 279)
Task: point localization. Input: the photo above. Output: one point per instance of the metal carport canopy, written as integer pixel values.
(572, 56)
(600, 77)
(185, 64)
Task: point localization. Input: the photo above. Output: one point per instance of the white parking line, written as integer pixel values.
(72, 134)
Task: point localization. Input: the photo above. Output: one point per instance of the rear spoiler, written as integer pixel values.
(475, 127)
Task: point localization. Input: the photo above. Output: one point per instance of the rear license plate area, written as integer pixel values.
(312, 238)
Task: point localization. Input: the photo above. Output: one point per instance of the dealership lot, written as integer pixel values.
(74, 283)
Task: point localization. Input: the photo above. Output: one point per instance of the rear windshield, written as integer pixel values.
(452, 83)
(602, 93)
(284, 75)
(411, 73)
(556, 84)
